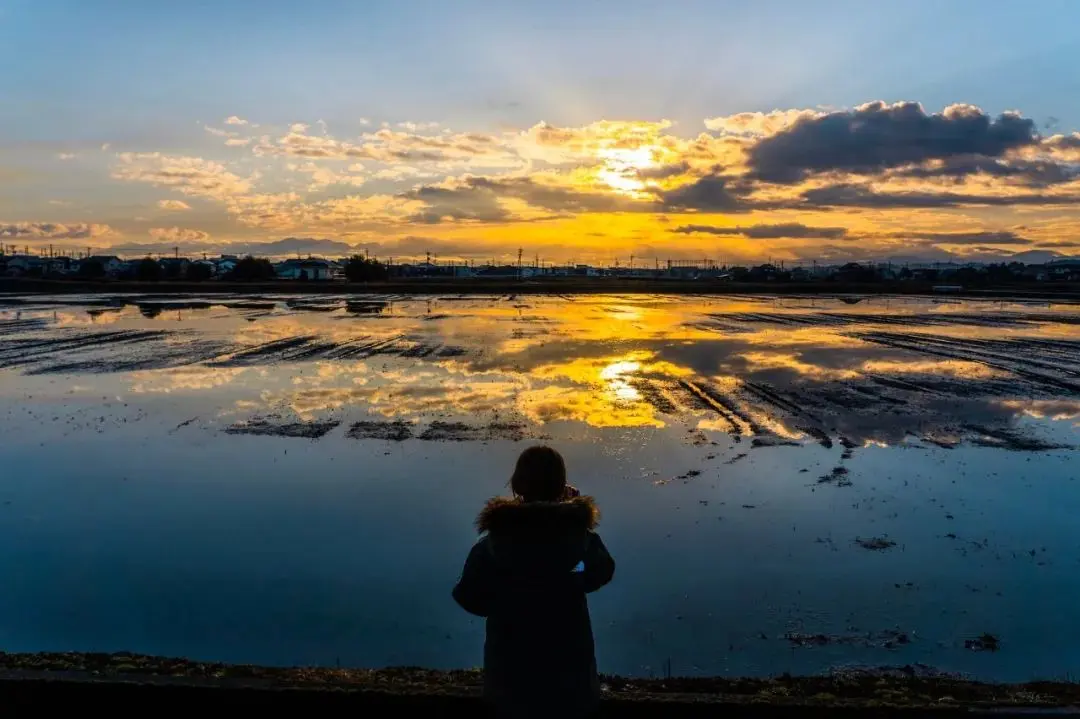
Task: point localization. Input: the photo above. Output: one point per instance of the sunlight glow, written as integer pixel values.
(621, 166)
(617, 384)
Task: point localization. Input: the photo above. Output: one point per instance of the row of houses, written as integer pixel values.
(320, 269)
(113, 267)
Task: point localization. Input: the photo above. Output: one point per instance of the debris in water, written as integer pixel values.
(984, 643)
(876, 544)
(887, 639)
(689, 474)
(838, 476)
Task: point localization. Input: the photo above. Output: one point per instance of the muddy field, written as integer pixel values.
(815, 478)
(947, 372)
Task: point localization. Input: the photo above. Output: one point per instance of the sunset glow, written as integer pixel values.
(673, 137)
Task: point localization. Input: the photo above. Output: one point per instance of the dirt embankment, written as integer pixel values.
(553, 285)
(126, 679)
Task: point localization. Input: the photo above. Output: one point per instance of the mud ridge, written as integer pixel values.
(439, 431)
(740, 422)
(391, 431)
(268, 428)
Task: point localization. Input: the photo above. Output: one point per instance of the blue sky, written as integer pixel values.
(146, 77)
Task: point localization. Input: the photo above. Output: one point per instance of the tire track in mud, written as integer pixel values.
(968, 350)
(274, 350)
(305, 348)
(160, 358)
(113, 351)
(652, 391)
(770, 397)
(21, 353)
(23, 325)
(741, 423)
(1005, 350)
(847, 319)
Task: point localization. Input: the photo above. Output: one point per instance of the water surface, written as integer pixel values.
(292, 480)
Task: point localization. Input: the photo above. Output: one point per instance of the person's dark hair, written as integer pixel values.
(540, 475)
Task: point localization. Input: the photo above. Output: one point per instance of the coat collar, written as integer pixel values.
(504, 515)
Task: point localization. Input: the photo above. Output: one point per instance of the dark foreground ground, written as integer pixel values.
(40, 682)
(554, 286)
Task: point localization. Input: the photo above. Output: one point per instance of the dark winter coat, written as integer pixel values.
(539, 657)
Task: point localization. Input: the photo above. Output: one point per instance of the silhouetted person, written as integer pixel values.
(529, 576)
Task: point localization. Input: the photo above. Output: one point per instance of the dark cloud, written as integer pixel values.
(282, 247)
(965, 238)
(419, 246)
(662, 172)
(477, 199)
(1063, 244)
(1037, 173)
(876, 136)
(762, 232)
(850, 195)
(456, 204)
(303, 245)
(557, 198)
(711, 193)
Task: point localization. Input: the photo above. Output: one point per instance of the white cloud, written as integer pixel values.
(52, 231)
(178, 234)
(66, 155)
(190, 175)
(234, 120)
(323, 176)
(418, 126)
(758, 123)
(173, 205)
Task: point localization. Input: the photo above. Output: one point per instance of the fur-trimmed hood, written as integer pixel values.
(507, 516)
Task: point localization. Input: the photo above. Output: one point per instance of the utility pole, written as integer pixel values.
(519, 262)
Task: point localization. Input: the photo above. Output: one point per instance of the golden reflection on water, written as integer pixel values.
(781, 360)
(605, 361)
(950, 368)
(1057, 410)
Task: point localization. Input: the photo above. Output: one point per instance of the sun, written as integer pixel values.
(621, 165)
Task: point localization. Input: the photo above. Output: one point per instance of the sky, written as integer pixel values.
(591, 131)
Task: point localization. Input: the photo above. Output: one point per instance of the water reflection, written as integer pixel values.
(197, 482)
(884, 370)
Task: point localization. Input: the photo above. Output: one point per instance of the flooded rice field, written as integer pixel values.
(788, 484)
